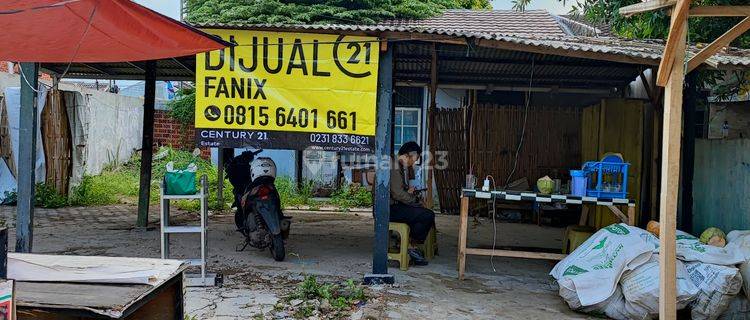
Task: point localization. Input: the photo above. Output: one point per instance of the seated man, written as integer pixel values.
(405, 201)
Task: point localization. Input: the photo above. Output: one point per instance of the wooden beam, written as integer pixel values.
(670, 173)
(515, 254)
(463, 225)
(147, 144)
(430, 123)
(647, 87)
(647, 6)
(506, 45)
(618, 213)
(668, 60)
(721, 42)
(719, 11)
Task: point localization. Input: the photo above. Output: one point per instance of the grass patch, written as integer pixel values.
(119, 185)
(351, 196)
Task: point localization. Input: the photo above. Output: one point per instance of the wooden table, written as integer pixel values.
(162, 299)
(466, 194)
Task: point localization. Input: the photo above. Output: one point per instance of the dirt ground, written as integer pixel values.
(333, 246)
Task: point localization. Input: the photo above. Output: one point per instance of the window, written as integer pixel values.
(406, 127)
(407, 124)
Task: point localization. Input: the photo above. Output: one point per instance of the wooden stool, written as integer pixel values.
(575, 235)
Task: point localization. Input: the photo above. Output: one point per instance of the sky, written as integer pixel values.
(553, 6)
(169, 8)
(172, 7)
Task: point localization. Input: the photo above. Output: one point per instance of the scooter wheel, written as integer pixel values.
(277, 248)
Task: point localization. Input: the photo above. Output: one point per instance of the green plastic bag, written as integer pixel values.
(180, 182)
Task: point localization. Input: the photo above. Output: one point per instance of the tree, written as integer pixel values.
(320, 11)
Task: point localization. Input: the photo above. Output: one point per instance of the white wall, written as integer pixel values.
(115, 129)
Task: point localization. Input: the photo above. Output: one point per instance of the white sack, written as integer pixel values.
(689, 248)
(640, 288)
(741, 241)
(739, 308)
(613, 307)
(717, 285)
(593, 270)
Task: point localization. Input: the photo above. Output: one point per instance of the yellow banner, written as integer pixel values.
(296, 82)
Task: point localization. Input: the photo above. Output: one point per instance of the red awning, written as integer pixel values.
(94, 31)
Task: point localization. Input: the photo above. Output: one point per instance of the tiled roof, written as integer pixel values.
(506, 22)
(604, 48)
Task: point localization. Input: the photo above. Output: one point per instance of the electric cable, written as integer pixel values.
(523, 128)
(494, 223)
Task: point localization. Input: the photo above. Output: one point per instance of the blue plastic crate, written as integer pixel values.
(607, 178)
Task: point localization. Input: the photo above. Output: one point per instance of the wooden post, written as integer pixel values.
(299, 156)
(463, 226)
(3, 253)
(26, 157)
(670, 174)
(147, 144)
(220, 177)
(655, 161)
(687, 159)
(431, 133)
(383, 153)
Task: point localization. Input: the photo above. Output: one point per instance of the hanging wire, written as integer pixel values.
(523, 128)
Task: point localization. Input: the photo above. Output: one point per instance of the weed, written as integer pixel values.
(48, 197)
(291, 195)
(340, 296)
(351, 196)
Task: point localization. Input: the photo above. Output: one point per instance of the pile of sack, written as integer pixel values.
(616, 273)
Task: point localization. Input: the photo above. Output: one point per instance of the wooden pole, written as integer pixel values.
(687, 159)
(26, 157)
(383, 152)
(431, 133)
(299, 156)
(147, 144)
(670, 174)
(220, 177)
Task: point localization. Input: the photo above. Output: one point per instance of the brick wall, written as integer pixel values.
(170, 132)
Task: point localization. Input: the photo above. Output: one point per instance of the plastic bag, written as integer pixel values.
(180, 182)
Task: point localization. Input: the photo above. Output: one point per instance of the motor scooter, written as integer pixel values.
(258, 214)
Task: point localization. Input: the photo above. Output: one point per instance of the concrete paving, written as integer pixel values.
(333, 246)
